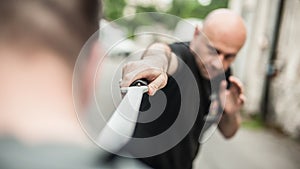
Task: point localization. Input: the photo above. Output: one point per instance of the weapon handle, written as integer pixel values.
(140, 82)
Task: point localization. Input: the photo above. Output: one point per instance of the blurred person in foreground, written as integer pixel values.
(39, 43)
(212, 50)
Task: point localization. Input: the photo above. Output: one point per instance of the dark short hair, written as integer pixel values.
(61, 25)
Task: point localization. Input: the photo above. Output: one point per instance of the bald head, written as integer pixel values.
(223, 34)
(226, 27)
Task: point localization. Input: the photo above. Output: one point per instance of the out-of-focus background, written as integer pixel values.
(268, 65)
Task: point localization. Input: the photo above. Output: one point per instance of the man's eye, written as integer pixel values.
(230, 56)
(212, 49)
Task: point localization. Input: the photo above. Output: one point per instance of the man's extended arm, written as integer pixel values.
(156, 63)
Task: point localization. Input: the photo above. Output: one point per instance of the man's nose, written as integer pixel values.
(223, 60)
(219, 62)
(221, 57)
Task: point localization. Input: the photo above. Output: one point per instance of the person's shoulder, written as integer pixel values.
(181, 49)
(184, 45)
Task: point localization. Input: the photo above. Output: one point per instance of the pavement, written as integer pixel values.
(249, 149)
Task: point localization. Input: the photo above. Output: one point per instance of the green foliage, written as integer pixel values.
(254, 122)
(113, 9)
(192, 8)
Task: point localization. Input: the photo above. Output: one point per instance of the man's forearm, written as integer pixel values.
(229, 124)
(162, 53)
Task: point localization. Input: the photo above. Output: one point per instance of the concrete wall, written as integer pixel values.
(285, 87)
(252, 64)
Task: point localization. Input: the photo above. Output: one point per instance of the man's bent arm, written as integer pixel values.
(229, 124)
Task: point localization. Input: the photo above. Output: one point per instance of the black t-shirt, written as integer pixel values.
(187, 102)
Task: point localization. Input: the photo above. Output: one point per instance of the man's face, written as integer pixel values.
(214, 54)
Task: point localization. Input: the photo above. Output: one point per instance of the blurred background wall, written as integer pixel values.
(269, 64)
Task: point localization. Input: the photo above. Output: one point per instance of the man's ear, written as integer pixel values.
(95, 56)
(197, 31)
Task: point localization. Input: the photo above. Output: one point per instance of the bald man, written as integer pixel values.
(208, 58)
